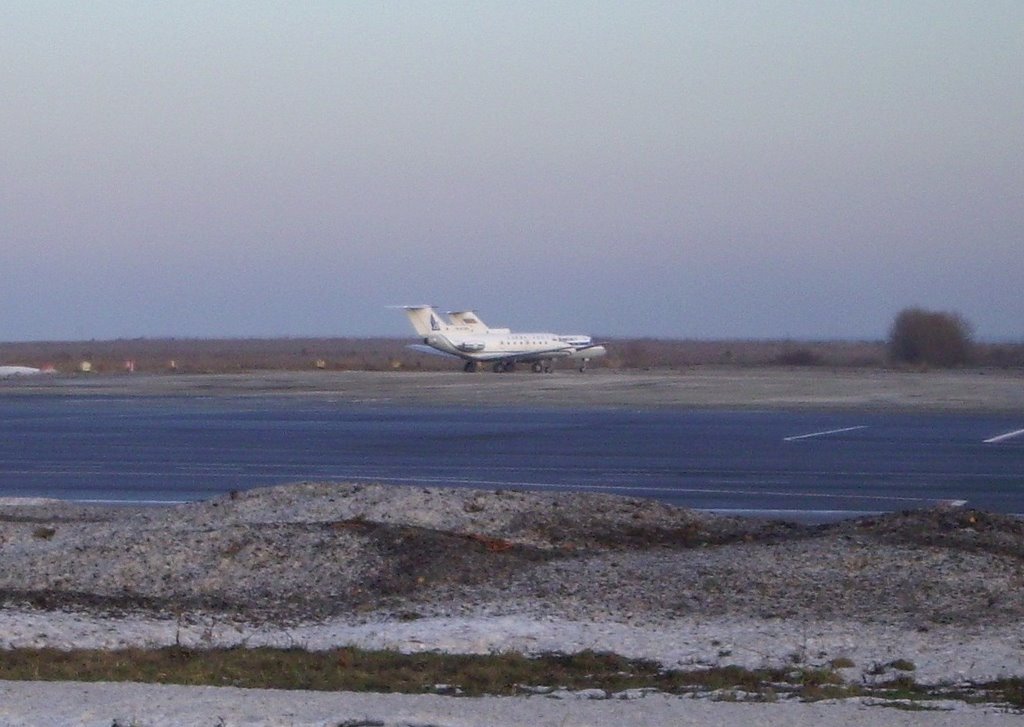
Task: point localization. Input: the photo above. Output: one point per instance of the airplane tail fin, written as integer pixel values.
(425, 319)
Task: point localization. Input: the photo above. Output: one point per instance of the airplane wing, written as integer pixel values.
(422, 348)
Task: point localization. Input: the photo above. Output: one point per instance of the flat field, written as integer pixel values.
(981, 390)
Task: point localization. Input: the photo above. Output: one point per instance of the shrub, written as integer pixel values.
(930, 338)
(903, 665)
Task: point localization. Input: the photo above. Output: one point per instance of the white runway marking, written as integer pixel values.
(822, 434)
(1003, 437)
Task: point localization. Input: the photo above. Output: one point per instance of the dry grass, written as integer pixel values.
(669, 353)
(385, 671)
(357, 670)
(351, 669)
(386, 354)
(223, 355)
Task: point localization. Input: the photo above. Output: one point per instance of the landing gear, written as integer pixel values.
(583, 366)
(471, 367)
(507, 367)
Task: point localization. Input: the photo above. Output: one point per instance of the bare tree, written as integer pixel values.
(930, 338)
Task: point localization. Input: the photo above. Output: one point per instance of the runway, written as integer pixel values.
(808, 465)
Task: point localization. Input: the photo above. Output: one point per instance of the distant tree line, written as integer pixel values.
(918, 338)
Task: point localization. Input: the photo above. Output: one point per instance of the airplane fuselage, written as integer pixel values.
(6, 371)
(483, 346)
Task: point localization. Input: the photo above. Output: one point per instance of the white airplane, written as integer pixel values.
(466, 337)
(6, 371)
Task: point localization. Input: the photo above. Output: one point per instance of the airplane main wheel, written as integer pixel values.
(499, 367)
(471, 367)
(538, 368)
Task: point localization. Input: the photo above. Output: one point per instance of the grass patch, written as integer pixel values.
(910, 706)
(350, 669)
(1007, 691)
(903, 665)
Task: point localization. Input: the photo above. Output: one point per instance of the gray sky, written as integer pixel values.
(701, 169)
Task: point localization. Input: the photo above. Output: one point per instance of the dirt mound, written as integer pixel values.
(560, 521)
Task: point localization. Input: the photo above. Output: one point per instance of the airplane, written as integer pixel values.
(6, 371)
(467, 337)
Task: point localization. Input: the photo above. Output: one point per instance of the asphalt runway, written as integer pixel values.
(803, 464)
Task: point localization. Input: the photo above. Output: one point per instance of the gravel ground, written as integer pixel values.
(323, 550)
(326, 550)
(101, 705)
(320, 565)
